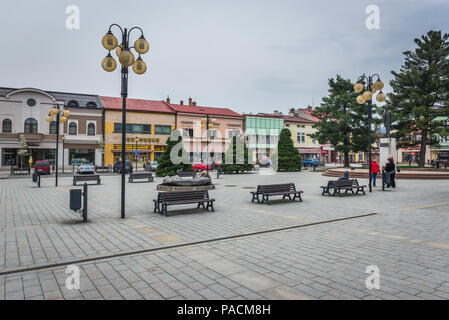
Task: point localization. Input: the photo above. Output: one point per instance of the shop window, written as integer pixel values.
(77, 156)
(30, 125)
(52, 129)
(72, 128)
(91, 129)
(158, 129)
(7, 126)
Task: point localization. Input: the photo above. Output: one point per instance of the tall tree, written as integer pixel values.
(236, 156)
(289, 159)
(342, 121)
(171, 162)
(421, 94)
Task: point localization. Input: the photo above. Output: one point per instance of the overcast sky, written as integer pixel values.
(250, 56)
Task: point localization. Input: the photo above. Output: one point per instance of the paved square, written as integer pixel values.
(407, 240)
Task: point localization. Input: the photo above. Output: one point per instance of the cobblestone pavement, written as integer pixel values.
(407, 240)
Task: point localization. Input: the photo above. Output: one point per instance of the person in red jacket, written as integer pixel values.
(375, 169)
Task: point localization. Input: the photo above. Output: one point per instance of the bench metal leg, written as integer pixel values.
(210, 204)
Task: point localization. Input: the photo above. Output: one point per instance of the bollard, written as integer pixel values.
(383, 180)
(85, 202)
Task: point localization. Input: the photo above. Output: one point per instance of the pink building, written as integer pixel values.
(197, 143)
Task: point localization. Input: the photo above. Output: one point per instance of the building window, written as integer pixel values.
(158, 129)
(7, 126)
(187, 133)
(211, 134)
(133, 128)
(72, 128)
(31, 102)
(52, 129)
(73, 103)
(91, 129)
(300, 137)
(287, 125)
(91, 104)
(30, 125)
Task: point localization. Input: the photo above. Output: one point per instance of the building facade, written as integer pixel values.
(23, 113)
(148, 125)
(262, 132)
(202, 144)
(301, 129)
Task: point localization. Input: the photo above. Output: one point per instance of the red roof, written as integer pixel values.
(141, 105)
(204, 110)
(298, 119)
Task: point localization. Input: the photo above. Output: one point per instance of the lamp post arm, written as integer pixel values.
(116, 25)
(141, 31)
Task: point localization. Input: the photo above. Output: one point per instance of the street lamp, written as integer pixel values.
(367, 96)
(61, 117)
(208, 124)
(63, 140)
(127, 59)
(136, 139)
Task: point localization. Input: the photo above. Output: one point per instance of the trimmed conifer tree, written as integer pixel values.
(289, 159)
(166, 166)
(238, 164)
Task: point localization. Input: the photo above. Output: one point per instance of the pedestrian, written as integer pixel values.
(375, 169)
(390, 169)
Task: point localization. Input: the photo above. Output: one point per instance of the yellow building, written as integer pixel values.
(149, 124)
(300, 129)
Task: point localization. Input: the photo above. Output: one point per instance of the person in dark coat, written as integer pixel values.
(390, 169)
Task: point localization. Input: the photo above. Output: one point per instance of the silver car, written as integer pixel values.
(86, 167)
(151, 166)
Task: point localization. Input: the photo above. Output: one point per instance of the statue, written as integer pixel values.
(388, 119)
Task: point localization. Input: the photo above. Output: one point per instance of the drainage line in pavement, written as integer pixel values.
(128, 253)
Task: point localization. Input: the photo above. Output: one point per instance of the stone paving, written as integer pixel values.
(407, 240)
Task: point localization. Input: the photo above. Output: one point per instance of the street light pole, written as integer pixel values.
(367, 96)
(126, 58)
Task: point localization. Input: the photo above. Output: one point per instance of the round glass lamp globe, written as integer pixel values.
(367, 95)
(379, 85)
(109, 41)
(126, 58)
(358, 87)
(108, 64)
(139, 67)
(360, 100)
(141, 45)
(49, 118)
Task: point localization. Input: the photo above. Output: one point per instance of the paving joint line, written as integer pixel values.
(175, 246)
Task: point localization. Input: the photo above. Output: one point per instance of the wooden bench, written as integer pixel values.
(165, 199)
(285, 190)
(140, 175)
(86, 177)
(187, 174)
(347, 185)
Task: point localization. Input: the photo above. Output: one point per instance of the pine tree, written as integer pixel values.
(238, 164)
(343, 122)
(289, 159)
(421, 94)
(166, 167)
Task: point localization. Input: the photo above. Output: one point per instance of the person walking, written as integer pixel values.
(375, 169)
(390, 169)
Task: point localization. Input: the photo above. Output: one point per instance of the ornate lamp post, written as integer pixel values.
(136, 139)
(208, 124)
(127, 59)
(367, 96)
(61, 117)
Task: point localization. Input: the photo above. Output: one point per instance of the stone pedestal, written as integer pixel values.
(387, 148)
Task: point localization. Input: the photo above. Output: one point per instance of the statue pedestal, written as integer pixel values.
(387, 148)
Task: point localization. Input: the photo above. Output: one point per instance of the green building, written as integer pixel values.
(262, 133)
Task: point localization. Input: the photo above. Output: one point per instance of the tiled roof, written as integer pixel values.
(204, 110)
(83, 100)
(266, 115)
(139, 105)
(298, 119)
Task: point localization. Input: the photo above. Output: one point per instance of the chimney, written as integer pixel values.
(181, 102)
(194, 103)
(190, 101)
(168, 99)
(291, 112)
(276, 112)
(309, 108)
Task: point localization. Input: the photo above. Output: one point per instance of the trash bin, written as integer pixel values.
(75, 199)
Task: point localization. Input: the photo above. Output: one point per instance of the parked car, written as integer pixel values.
(150, 166)
(117, 168)
(309, 162)
(201, 166)
(264, 162)
(86, 167)
(42, 166)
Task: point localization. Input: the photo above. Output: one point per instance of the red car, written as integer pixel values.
(200, 166)
(42, 166)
